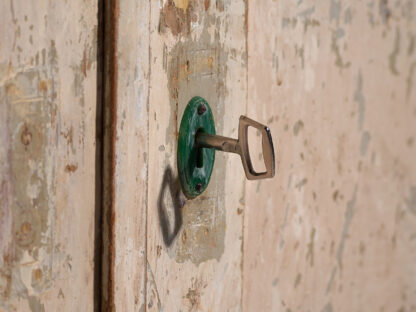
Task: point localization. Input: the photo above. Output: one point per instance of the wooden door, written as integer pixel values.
(169, 251)
(334, 230)
(86, 225)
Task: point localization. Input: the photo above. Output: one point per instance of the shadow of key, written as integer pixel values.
(171, 185)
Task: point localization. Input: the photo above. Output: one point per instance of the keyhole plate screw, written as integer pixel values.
(198, 187)
(201, 109)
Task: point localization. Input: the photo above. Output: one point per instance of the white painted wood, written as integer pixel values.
(47, 156)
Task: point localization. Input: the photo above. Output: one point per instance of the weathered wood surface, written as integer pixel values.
(126, 87)
(335, 230)
(194, 247)
(165, 252)
(47, 156)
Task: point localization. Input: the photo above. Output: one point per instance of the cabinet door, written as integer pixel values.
(48, 70)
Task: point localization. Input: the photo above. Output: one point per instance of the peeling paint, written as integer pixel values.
(193, 297)
(349, 213)
(393, 55)
(297, 127)
(347, 222)
(384, 10)
(365, 140)
(339, 62)
(411, 201)
(327, 307)
(409, 80)
(335, 10)
(310, 253)
(195, 65)
(301, 183)
(360, 99)
(348, 16)
(153, 298)
(298, 280)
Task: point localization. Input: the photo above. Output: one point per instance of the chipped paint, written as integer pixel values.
(394, 53)
(30, 137)
(349, 213)
(310, 254)
(411, 201)
(40, 167)
(365, 140)
(339, 61)
(360, 99)
(298, 126)
(409, 80)
(356, 150)
(195, 67)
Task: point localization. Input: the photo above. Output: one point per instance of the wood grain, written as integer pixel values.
(194, 246)
(48, 101)
(334, 231)
(126, 86)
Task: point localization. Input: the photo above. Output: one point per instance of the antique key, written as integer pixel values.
(197, 143)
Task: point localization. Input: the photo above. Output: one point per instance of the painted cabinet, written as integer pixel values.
(92, 216)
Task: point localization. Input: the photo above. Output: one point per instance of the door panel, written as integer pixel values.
(335, 82)
(164, 250)
(125, 154)
(194, 246)
(48, 102)
(334, 230)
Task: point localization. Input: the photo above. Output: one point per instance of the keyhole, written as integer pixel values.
(200, 151)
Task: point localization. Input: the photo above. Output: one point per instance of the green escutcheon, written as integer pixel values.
(195, 163)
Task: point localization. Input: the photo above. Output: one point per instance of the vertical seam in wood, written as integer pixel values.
(99, 123)
(111, 14)
(148, 157)
(245, 181)
(113, 78)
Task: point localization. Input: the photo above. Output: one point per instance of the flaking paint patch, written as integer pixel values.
(411, 201)
(310, 253)
(301, 183)
(35, 305)
(29, 137)
(385, 12)
(334, 10)
(192, 300)
(394, 53)
(347, 16)
(283, 227)
(297, 127)
(177, 16)
(307, 12)
(349, 213)
(365, 140)
(153, 298)
(409, 80)
(360, 99)
(327, 307)
(339, 62)
(298, 280)
(182, 4)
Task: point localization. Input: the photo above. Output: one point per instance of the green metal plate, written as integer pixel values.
(195, 164)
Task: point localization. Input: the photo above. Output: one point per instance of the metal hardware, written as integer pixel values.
(195, 164)
(241, 148)
(197, 143)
